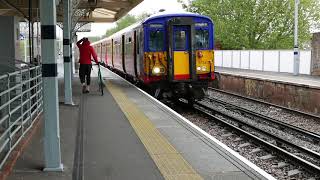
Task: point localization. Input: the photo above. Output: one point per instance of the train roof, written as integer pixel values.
(174, 14)
(153, 17)
(122, 31)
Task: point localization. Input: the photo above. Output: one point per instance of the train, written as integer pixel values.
(171, 54)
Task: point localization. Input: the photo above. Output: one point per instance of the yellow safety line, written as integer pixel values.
(168, 160)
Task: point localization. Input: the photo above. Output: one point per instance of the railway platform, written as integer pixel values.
(127, 134)
(300, 92)
(303, 80)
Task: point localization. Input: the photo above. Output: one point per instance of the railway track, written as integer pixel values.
(309, 115)
(268, 145)
(275, 123)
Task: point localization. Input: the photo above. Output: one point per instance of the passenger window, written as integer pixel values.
(180, 40)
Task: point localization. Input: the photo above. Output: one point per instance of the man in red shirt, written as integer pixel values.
(86, 51)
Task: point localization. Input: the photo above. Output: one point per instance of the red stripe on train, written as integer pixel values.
(182, 77)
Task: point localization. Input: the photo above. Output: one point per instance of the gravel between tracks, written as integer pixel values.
(301, 121)
(266, 127)
(215, 130)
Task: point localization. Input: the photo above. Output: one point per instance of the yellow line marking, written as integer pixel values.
(168, 160)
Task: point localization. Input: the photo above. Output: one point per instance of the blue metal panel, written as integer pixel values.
(169, 16)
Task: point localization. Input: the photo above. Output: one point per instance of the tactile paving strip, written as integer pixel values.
(169, 161)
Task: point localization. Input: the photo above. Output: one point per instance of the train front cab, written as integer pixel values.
(186, 60)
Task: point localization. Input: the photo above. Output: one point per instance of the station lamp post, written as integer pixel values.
(296, 61)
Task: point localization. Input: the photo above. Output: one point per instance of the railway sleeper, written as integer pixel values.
(245, 145)
(282, 165)
(256, 150)
(294, 172)
(267, 157)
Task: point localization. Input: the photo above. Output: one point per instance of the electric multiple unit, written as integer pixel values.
(171, 54)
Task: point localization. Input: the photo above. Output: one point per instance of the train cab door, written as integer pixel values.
(181, 50)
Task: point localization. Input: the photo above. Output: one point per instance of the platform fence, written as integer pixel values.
(263, 60)
(20, 104)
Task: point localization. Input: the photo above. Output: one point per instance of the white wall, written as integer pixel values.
(262, 60)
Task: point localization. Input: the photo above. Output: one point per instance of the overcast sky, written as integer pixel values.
(150, 6)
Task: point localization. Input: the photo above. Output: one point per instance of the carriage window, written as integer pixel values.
(202, 39)
(180, 40)
(156, 40)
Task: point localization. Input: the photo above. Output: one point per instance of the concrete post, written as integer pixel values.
(296, 59)
(279, 59)
(67, 53)
(240, 59)
(262, 66)
(71, 60)
(10, 48)
(231, 58)
(50, 86)
(75, 55)
(315, 55)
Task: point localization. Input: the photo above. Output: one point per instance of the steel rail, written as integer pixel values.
(309, 134)
(267, 103)
(310, 167)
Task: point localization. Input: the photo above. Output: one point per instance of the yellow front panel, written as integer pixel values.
(152, 59)
(205, 61)
(181, 63)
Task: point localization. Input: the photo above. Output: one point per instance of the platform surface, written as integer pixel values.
(304, 80)
(126, 134)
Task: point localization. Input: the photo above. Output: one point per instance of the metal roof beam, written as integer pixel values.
(125, 10)
(19, 4)
(96, 20)
(105, 4)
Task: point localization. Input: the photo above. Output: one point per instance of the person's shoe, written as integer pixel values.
(87, 89)
(84, 89)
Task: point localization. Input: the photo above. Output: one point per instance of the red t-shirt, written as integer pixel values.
(86, 51)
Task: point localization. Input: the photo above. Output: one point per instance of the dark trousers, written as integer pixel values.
(84, 73)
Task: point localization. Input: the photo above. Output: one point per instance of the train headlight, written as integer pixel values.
(203, 68)
(156, 70)
(199, 68)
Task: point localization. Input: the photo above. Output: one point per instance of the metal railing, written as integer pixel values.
(20, 104)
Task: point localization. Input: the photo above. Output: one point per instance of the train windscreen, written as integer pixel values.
(202, 39)
(156, 40)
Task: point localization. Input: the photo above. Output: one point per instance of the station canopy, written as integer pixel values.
(83, 11)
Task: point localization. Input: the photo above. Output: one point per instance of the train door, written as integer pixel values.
(181, 52)
(182, 65)
(123, 53)
(112, 53)
(101, 52)
(135, 52)
(139, 53)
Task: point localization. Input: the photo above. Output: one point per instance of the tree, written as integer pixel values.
(122, 23)
(125, 22)
(258, 24)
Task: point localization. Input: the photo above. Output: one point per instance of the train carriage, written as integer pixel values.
(171, 54)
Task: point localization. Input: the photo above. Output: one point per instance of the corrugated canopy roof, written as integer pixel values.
(82, 10)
